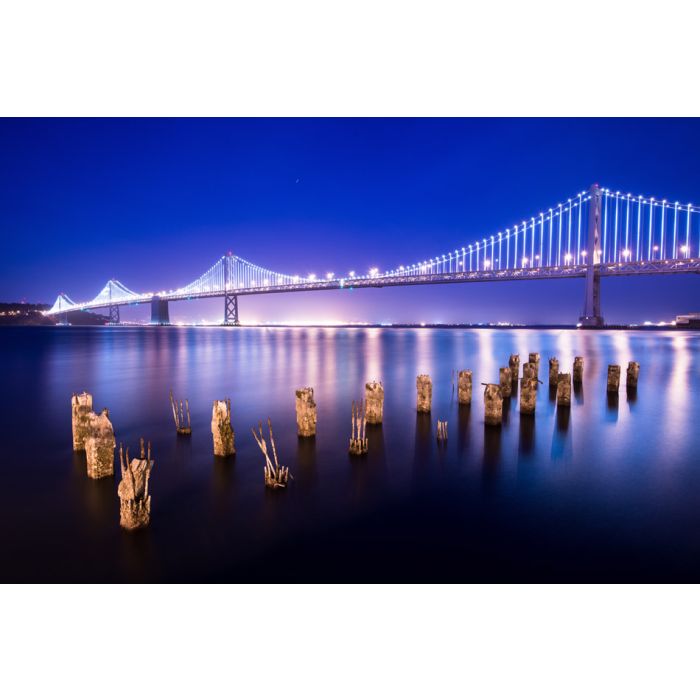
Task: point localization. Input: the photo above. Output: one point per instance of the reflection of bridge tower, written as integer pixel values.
(592, 317)
(230, 299)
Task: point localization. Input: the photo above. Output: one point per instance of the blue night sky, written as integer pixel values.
(154, 203)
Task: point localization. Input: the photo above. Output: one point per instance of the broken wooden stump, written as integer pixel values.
(181, 416)
(493, 404)
(424, 390)
(221, 429)
(306, 412)
(464, 387)
(374, 402)
(613, 379)
(553, 371)
(134, 499)
(99, 446)
(442, 430)
(632, 375)
(81, 411)
(514, 364)
(564, 390)
(505, 379)
(529, 371)
(534, 359)
(528, 395)
(358, 437)
(578, 370)
(276, 476)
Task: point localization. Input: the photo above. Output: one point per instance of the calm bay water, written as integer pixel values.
(608, 492)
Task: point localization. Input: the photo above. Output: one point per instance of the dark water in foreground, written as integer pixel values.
(610, 492)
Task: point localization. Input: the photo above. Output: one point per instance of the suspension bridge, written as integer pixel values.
(594, 234)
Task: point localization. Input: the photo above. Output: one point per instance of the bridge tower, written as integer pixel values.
(113, 309)
(160, 315)
(230, 299)
(592, 317)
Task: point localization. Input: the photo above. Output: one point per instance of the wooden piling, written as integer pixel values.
(578, 370)
(442, 430)
(99, 446)
(506, 381)
(358, 437)
(493, 404)
(81, 411)
(134, 499)
(534, 359)
(181, 416)
(613, 379)
(306, 412)
(222, 430)
(514, 364)
(553, 371)
(564, 390)
(374, 402)
(424, 393)
(464, 387)
(632, 374)
(528, 395)
(276, 476)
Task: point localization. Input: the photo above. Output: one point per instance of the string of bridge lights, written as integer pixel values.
(633, 229)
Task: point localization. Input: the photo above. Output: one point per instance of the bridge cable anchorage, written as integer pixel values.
(594, 233)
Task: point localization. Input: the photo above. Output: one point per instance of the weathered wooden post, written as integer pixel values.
(613, 379)
(514, 364)
(306, 412)
(442, 430)
(222, 430)
(464, 387)
(493, 404)
(578, 369)
(181, 416)
(528, 395)
(276, 476)
(553, 371)
(632, 375)
(99, 446)
(529, 371)
(424, 391)
(534, 359)
(506, 381)
(374, 402)
(564, 390)
(81, 410)
(358, 437)
(134, 499)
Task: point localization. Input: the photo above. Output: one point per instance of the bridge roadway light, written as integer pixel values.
(567, 258)
(329, 275)
(312, 277)
(626, 253)
(684, 249)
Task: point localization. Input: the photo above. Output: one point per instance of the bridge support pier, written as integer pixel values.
(592, 317)
(113, 315)
(231, 310)
(160, 314)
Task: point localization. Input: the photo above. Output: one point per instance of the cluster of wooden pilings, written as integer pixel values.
(495, 394)
(93, 432)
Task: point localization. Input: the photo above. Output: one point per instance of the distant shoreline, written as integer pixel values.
(399, 326)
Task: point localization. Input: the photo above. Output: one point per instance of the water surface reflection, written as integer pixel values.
(508, 503)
